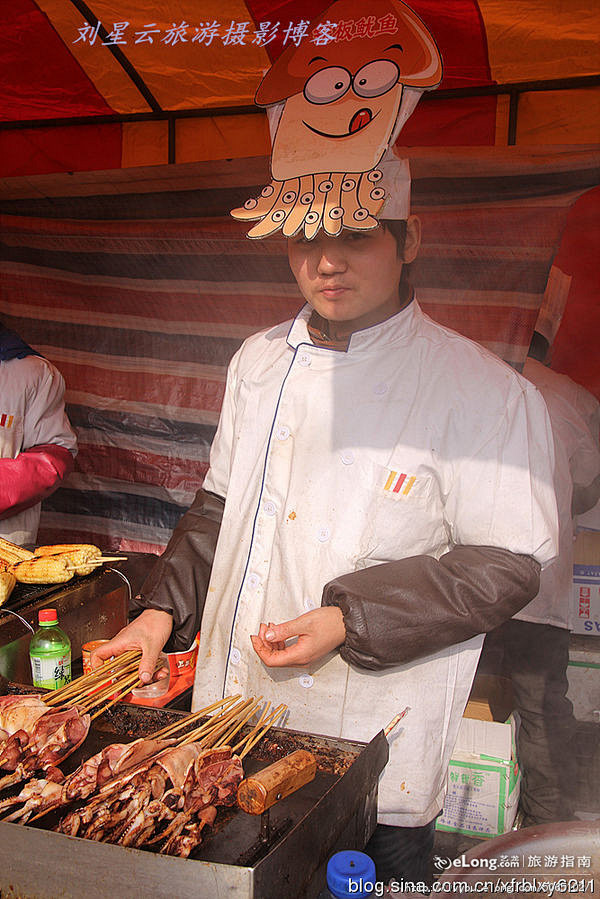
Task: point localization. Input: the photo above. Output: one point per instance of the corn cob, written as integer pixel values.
(11, 553)
(81, 556)
(43, 570)
(54, 548)
(7, 582)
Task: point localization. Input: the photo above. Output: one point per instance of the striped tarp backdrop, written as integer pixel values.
(140, 289)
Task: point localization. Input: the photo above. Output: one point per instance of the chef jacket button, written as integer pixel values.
(347, 457)
(323, 535)
(235, 656)
(283, 432)
(380, 389)
(304, 359)
(309, 604)
(306, 681)
(269, 508)
(253, 580)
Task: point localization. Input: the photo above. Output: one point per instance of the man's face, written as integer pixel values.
(351, 279)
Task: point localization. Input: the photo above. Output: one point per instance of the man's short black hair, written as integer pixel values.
(397, 228)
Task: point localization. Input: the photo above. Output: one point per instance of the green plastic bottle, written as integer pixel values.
(50, 653)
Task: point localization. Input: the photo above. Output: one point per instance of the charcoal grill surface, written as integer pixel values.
(335, 811)
(25, 595)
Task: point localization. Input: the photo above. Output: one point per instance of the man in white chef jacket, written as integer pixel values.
(379, 495)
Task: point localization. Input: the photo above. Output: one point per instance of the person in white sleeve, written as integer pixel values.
(532, 649)
(37, 443)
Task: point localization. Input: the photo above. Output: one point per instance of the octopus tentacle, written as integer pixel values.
(297, 215)
(259, 207)
(314, 216)
(333, 213)
(357, 216)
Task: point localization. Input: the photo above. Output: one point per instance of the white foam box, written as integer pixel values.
(585, 611)
(483, 778)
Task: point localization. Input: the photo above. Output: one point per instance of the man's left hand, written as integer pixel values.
(318, 633)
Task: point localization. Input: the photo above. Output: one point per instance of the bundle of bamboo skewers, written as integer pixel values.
(113, 681)
(98, 690)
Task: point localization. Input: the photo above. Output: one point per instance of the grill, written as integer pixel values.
(337, 810)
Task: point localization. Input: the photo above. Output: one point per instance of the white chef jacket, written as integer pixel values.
(573, 415)
(413, 440)
(32, 413)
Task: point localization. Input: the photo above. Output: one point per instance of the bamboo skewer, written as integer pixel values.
(189, 719)
(205, 731)
(108, 688)
(117, 698)
(94, 563)
(259, 724)
(395, 720)
(268, 723)
(218, 726)
(227, 737)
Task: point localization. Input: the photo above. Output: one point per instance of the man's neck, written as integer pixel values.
(336, 335)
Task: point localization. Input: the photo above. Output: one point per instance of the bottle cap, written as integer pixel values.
(47, 616)
(346, 870)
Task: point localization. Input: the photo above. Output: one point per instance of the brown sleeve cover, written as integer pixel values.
(179, 580)
(401, 611)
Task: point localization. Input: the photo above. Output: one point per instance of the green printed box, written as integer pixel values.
(483, 786)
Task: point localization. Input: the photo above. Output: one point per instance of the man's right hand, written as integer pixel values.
(148, 632)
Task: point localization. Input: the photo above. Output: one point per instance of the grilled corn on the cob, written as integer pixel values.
(7, 582)
(81, 556)
(43, 570)
(11, 553)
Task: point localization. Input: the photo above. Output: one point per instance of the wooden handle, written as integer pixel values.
(258, 793)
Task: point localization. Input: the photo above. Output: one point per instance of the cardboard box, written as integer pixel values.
(585, 617)
(491, 698)
(483, 775)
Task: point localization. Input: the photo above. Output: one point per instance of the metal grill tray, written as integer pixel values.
(336, 811)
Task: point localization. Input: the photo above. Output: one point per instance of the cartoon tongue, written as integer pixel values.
(360, 119)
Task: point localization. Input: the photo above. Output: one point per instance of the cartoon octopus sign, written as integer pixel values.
(334, 111)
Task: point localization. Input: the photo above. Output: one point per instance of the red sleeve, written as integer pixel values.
(31, 477)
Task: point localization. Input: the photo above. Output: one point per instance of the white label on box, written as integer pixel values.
(586, 599)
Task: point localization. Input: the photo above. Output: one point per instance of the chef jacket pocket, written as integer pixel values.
(11, 435)
(404, 511)
(399, 485)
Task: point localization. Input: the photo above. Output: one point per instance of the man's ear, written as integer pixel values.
(413, 239)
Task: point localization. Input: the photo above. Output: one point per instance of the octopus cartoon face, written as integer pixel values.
(341, 101)
(330, 121)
